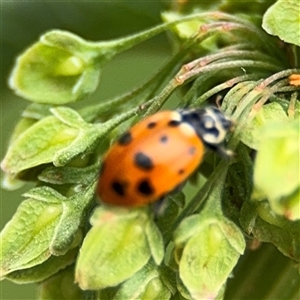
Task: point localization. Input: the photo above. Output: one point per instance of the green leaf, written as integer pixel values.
(114, 249)
(69, 117)
(26, 238)
(233, 235)
(23, 124)
(69, 175)
(38, 145)
(86, 139)
(45, 194)
(187, 229)
(283, 20)
(207, 260)
(170, 211)
(155, 241)
(9, 181)
(251, 135)
(258, 219)
(168, 277)
(43, 271)
(45, 224)
(37, 111)
(183, 290)
(276, 173)
(73, 215)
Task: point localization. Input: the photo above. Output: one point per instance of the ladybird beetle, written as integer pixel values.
(158, 154)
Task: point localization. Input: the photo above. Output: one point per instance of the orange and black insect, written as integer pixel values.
(158, 154)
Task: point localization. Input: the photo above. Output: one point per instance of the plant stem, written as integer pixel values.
(119, 45)
(227, 65)
(159, 100)
(90, 113)
(229, 54)
(114, 122)
(235, 95)
(225, 85)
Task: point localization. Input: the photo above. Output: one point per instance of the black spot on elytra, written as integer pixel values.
(192, 150)
(174, 123)
(163, 139)
(180, 171)
(125, 138)
(143, 161)
(145, 188)
(151, 125)
(119, 187)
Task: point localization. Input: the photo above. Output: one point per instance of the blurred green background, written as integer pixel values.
(22, 24)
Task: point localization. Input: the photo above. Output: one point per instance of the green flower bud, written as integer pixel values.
(155, 289)
(282, 19)
(146, 284)
(55, 139)
(207, 249)
(60, 68)
(60, 286)
(45, 224)
(26, 238)
(38, 145)
(44, 270)
(115, 248)
(251, 135)
(187, 30)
